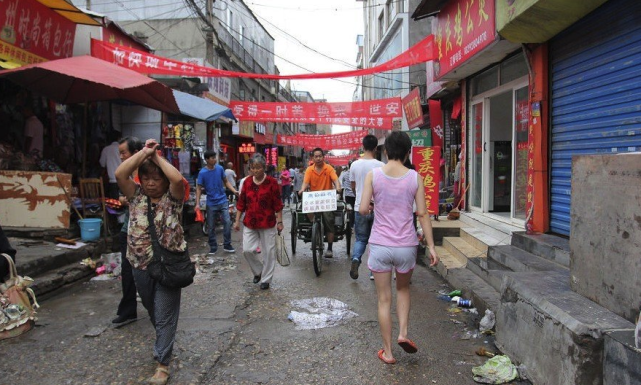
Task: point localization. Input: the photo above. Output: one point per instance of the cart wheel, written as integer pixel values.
(294, 233)
(317, 247)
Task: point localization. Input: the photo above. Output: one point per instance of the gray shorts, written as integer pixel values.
(383, 258)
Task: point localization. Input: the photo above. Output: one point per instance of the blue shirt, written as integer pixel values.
(213, 180)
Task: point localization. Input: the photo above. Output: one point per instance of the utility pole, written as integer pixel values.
(210, 33)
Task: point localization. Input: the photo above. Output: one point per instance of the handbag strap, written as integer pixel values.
(152, 225)
(13, 272)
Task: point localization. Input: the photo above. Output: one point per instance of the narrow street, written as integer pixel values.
(231, 332)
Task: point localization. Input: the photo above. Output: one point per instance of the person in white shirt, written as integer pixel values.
(33, 132)
(362, 223)
(230, 174)
(110, 159)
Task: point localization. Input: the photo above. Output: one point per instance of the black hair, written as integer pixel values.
(318, 149)
(409, 164)
(133, 144)
(210, 154)
(370, 142)
(397, 145)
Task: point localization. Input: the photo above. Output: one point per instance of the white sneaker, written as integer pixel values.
(329, 254)
(371, 276)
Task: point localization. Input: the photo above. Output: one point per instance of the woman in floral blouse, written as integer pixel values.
(161, 190)
(260, 201)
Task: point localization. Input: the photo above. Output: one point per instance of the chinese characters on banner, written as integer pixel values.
(412, 108)
(319, 201)
(371, 113)
(247, 148)
(464, 28)
(347, 141)
(436, 122)
(341, 160)
(271, 156)
(155, 65)
(427, 161)
(33, 33)
(535, 120)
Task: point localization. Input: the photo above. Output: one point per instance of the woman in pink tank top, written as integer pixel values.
(394, 189)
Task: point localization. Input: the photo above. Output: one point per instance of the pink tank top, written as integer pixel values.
(393, 199)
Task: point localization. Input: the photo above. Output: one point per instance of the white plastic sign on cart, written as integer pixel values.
(319, 201)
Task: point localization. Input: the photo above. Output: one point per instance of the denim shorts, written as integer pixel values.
(382, 259)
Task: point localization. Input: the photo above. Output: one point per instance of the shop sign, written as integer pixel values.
(463, 29)
(246, 129)
(412, 108)
(271, 156)
(421, 138)
(219, 89)
(247, 148)
(427, 161)
(436, 122)
(33, 33)
(259, 128)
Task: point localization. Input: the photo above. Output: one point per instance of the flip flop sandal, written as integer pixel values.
(381, 356)
(408, 345)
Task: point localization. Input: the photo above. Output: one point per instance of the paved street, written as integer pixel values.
(230, 332)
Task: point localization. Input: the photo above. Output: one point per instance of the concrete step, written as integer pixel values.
(621, 359)
(554, 332)
(547, 246)
(496, 229)
(488, 270)
(517, 259)
(459, 248)
(49, 283)
(447, 261)
(479, 239)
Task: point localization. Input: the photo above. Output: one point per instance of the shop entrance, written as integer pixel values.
(499, 141)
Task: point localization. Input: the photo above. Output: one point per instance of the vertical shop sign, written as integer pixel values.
(463, 29)
(436, 122)
(427, 161)
(32, 33)
(271, 156)
(412, 107)
(534, 120)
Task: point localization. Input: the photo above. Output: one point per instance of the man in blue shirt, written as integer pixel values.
(212, 179)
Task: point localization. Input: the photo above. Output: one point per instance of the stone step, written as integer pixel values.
(567, 327)
(621, 359)
(496, 229)
(517, 259)
(460, 249)
(547, 246)
(447, 261)
(488, 270)
(48, 284)
(479, 239)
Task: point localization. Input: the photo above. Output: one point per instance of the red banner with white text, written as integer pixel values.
(370, 113)
(347, 141)
(413, 109)
(146, 63)
(340, 160)
(427, 161)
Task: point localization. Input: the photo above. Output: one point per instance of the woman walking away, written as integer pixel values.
(286, 184)
(161, 190)
(261, 202)
(393, 242)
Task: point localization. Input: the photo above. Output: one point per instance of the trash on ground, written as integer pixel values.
(455, 293)
(487, 322)
(95, 331)
(319, 312)
(103, 277)
(90, 263)
(470, 334)
(461, 302)
(496, 370)
(484, 352)
(111, 262)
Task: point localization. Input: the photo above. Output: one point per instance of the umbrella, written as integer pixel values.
(82, 79)
(201, 108)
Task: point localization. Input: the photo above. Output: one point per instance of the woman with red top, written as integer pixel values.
(261, 202)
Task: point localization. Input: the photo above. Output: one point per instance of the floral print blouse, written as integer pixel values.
(260, 203)
(168, 222)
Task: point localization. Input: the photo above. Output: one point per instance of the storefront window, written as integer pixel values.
(521, 122)
(513, 68)
(485, 81)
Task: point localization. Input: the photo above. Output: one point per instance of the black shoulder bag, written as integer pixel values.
(169, 268)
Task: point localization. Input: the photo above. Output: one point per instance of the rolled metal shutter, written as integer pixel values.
(595, 95)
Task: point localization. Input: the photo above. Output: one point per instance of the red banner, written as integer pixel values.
(463, 29)
(427, 161)
(32, 33)
(347, 141)
(436, 122)
(413, 109)
(342, 160)
(371, 113)
(146, 63)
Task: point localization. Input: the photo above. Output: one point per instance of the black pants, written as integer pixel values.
(351, 201)
(128, 305)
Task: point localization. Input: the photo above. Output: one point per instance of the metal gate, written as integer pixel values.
(595, 95)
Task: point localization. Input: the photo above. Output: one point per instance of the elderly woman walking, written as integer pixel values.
(161, 190)
(393, 242)
(260, 200)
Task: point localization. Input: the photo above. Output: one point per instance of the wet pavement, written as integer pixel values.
(231, 332)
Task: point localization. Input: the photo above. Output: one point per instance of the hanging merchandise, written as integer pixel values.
(149, 64)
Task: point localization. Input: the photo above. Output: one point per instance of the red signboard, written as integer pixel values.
(427, 161)
(271, 156)
(341, 160)
(155, 65)
(347, 141)
(464, 28)
(33, 33)
(247, 148)
(436, 122)
(412, 108)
